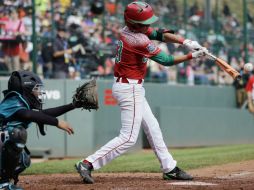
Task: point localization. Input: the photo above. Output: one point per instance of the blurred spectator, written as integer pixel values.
(74, 18)
(172, 7)
(46, 30)
(241, 94)
(73, 73)
(3, 67)
(190, 73)
(106, 70)
(224, 78)
(4, 17)
(61, 54)
(200, 73)
(213, 38)
(65, 4)
(111, 7)
(226, 10)
(250, 93)
(14, 29)
(41, 5)
(249, 19)
(86, 59)
(224, 36)
(97, 7)
(24, 52)
(194, 9)
(172, 71)
(234, 62)
(27, 20)
(26, 4)
(195, 12)
(47, 56)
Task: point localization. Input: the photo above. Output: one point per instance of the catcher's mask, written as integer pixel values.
(138, 16)
(30, 86)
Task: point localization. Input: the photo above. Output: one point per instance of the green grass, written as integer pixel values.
(145, 161)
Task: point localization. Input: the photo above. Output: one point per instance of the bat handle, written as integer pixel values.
(211, 55)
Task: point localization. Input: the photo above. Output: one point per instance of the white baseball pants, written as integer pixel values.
(135, 112)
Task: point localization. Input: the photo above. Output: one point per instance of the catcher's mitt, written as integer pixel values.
(86, 96)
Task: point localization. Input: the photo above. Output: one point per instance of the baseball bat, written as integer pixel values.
(226, 67)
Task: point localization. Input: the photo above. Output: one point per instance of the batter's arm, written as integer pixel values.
(168, 36)
(164, 35)
(189, 44)
(172, 38)
(169, 60)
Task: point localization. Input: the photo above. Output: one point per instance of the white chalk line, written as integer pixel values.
(192, 183)
(236, 175)
(199, 183)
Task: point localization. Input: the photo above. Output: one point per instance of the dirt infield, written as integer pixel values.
(230, 176)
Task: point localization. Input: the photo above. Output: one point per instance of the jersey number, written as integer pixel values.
(119, 51)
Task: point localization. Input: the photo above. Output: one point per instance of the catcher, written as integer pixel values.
(22, 104)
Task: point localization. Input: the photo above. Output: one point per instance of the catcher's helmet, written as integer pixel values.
(29, 85)
(139, 13)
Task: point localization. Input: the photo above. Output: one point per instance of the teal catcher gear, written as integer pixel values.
(21, 94)
(13, 158)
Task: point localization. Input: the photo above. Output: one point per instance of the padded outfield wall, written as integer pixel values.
(188, 116)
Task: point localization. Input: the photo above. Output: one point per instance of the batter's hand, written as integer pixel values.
(199, 53)
(192, 45)
(65, 126)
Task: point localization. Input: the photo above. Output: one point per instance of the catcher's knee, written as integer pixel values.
(24, 162)
(13, 145)
(18, 135)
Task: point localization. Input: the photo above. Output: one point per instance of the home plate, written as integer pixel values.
(197, 183)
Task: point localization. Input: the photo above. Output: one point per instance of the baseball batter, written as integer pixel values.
(134, 49)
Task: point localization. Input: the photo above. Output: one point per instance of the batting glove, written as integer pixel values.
(192, 45)
(199, 53)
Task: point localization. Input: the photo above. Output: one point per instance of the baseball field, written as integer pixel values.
(220, 167)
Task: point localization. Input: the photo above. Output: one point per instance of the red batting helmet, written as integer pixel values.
(139, 13)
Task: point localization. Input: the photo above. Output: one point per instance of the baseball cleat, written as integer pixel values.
(177, 174)
(9, 186)
(85, 172)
